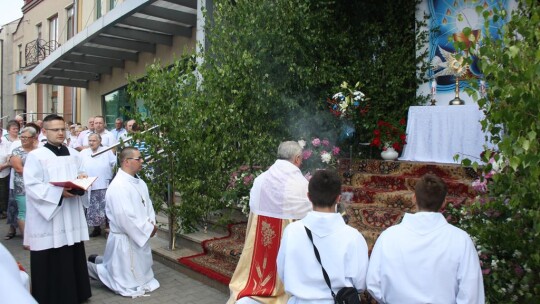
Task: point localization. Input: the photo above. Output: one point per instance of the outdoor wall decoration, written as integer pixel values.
(448, 19)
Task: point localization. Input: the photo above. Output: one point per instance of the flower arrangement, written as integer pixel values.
(493, 166)
(389, 135)
(348, 104)
(318, 154)
(240, 183)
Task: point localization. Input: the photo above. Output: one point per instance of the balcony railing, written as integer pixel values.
(37, 50)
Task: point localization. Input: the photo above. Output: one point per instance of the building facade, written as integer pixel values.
(74, 57)
(7, 85)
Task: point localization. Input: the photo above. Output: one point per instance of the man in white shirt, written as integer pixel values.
(119, 131)
(55, 222)
(126, 266)
(20, 121)
(343, 250)
(278, 196)
(107, 138)
(424, 259)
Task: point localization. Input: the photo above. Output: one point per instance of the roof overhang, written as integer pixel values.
(132, 27)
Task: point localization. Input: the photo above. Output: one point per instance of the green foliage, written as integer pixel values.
(265, 78)
(506, 223)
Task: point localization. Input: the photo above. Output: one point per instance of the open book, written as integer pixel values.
(79, 183)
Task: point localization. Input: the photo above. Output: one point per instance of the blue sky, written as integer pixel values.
(10, 10)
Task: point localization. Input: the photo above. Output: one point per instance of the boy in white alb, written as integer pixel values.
(424, 259)
(343, 250)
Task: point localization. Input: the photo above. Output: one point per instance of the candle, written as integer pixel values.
(482, 88)
(433, 89)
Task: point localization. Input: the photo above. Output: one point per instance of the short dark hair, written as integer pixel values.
(430, 192)
(324, 188)
(52, 117)
(126, 153)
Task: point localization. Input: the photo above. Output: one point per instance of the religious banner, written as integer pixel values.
(448, 20)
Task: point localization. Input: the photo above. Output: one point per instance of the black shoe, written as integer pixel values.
(96, 232)
(92, 258)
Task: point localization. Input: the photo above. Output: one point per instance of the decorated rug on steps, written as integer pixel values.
(380, 193)
(220, 255)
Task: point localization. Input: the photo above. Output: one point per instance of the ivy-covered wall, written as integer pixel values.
(265, 78)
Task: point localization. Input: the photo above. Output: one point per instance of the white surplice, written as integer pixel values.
(50, 224)
(280, 192)
(343, 251)
(127, 263)
(425, 260)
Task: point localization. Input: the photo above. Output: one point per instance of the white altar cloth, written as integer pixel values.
(438, 133)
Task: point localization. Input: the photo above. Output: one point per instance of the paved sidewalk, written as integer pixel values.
(175, 287)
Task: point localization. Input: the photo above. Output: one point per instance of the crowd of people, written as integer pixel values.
(54, 221)
(298, 248)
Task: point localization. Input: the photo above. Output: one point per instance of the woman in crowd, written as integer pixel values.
(12, 131)
(28, 139)
(9, 138)
(102, 167)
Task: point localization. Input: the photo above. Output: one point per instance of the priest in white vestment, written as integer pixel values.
(424, 259)
(343, 250)
(278, 196)
(55, 222)
(126, 266)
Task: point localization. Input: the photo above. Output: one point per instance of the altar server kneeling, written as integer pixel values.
(126, 266)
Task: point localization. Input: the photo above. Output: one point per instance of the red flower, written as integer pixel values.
(402, 122)
(389, 135)
(376, 142)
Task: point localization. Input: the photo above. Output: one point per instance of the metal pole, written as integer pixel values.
(170, 203)
(120, 143)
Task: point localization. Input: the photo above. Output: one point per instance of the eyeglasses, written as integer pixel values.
(57, 130)
(136, 158)
(24, 137)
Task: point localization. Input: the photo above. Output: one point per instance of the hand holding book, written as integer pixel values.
(78, 183)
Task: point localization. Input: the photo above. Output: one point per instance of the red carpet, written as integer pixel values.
(381, 193)
(220, 255)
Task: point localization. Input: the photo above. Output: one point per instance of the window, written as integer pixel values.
(98, 9)
(70, 23)
(20, 56)
(116, 104)
(53, 30)
(54, 99)
(112, 4)
(38, 31)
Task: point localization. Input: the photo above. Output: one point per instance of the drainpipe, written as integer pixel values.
(74, 89)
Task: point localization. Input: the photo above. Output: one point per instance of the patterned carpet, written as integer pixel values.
(381, 192)
(220, 255)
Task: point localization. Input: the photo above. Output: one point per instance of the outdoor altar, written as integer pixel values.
(439, 133)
